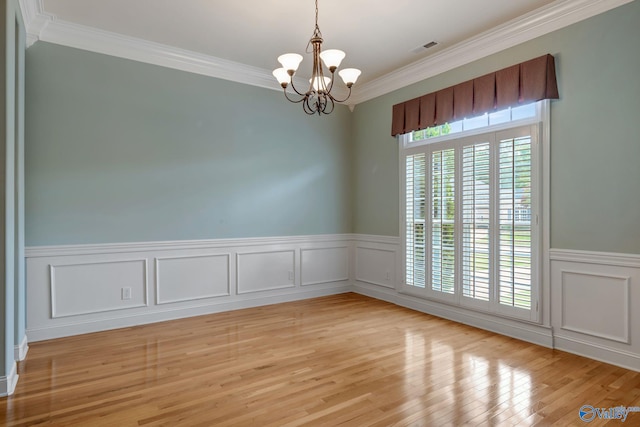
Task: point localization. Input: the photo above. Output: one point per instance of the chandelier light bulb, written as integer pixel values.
(318, 85)
(349, 76)
(282, 76)
(332, 58)
(290, 61)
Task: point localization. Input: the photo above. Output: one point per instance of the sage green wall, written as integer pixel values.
(121, 151)
(595, 149)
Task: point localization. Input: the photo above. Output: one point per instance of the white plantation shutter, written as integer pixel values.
(415, 198)
(476, 221)
(442, 221)
(470, 230)
(514, 259)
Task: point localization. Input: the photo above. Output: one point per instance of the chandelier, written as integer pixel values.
(318, 98)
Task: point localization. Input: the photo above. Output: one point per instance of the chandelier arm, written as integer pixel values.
(330, 88)
(329, 102)
(341, 100)
(293, 100)
(306, 107)
(322, 105)
(296, 90)
(333, 105)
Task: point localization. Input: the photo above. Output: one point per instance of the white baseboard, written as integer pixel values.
(535, 334)
(8, 383)
(90, 326)
(613, 356)
(20, 350)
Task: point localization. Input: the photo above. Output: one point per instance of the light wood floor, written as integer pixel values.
(339, 360)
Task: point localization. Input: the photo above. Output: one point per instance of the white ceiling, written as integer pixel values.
(377, 36)
(240, 40)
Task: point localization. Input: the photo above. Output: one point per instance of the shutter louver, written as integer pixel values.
(476, 221)
(443, 221)
(415, 220)
(515, 226)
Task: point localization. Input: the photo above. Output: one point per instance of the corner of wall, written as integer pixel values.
(8, 383)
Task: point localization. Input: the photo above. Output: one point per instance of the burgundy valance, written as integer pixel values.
(529, 81)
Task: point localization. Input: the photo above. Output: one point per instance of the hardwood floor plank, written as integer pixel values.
(339, 360)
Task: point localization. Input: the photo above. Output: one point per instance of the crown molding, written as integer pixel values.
(35, 19)
(561, 13)
(46, 27)
(542, 21)
(108, 43)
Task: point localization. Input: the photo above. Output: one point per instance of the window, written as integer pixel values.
(470, 223)
(508, 115)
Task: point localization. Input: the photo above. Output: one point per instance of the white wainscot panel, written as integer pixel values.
(376, 266)
(596, 305)
(187, 278)
(263, 271)
(93, 287)
(324, 265)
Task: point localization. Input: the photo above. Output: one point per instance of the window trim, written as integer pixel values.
(540, 134)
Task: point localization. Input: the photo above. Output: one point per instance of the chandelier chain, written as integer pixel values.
(316, 33)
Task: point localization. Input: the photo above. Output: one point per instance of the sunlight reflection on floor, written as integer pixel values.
(479, 390)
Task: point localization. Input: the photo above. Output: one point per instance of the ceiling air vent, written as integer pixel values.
(424, 47)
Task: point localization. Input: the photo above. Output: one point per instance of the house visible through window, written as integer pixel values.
(470, 223)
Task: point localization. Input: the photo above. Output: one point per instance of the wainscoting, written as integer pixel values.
(87, 288)
(378, 258)
(594, 307)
